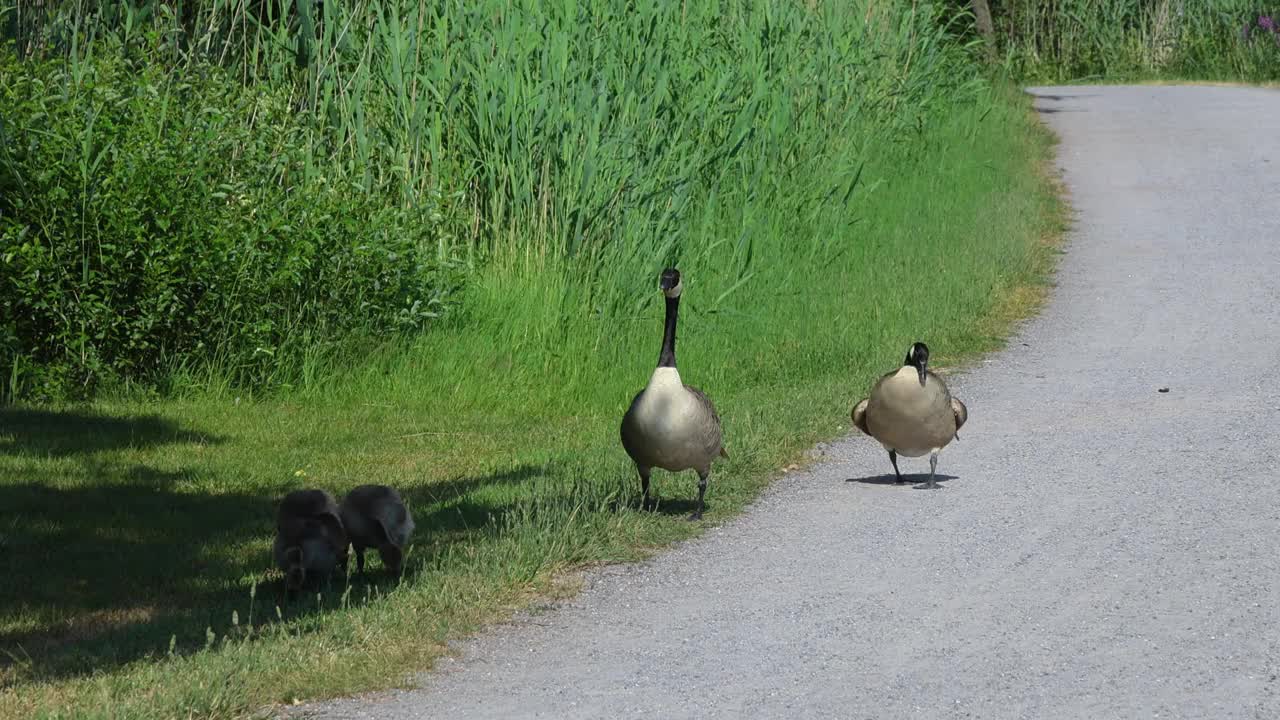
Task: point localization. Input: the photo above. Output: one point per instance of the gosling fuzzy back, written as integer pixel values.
(375, 516)
(310, 542)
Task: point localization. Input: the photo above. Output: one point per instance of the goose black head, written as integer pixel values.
(670, 283)
(918, 358)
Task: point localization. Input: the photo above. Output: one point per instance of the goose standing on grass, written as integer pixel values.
(376, 517)
(671, 425)
(310, 539)
(911, 412)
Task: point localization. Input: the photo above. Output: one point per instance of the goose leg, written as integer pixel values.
(893, 458)
(933, 468)
(644, 487)
(702, 491)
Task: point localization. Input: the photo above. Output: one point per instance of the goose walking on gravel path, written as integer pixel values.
(911, 412)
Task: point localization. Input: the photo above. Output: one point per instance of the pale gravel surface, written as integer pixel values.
(1103, 550)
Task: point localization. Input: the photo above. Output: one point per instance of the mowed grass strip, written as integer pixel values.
(135, 534)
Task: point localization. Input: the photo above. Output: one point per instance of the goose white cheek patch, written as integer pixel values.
(675, 291)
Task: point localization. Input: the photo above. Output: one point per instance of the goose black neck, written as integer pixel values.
(668, 356)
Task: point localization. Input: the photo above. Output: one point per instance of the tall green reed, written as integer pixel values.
(566, 150)
(1128, 39)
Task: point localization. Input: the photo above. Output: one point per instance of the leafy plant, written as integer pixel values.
(150, 217)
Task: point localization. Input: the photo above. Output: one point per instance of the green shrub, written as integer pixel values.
(151, 217)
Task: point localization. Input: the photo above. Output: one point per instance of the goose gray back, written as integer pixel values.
(671, 425)
(911, 412)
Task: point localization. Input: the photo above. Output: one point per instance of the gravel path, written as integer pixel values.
(1102, 549)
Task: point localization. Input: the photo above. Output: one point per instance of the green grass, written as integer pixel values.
(235, 187)
(135, 534)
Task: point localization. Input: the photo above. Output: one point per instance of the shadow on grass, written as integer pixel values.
(445, 492)
(461, 510)
(105, 573)
(60, 433)
(679, 506)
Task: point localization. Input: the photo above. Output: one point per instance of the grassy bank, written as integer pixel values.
(418, 245)
(247, 192)
(136, 531)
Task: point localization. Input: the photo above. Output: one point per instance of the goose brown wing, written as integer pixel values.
(859, 415)
(706, 402)
(715, 417)
(627, 431)
(961, 412)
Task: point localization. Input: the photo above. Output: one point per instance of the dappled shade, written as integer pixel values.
(59, 433)
(106, 570)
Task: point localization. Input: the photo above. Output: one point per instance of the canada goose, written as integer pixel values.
(671, 425)
(911, 412)
(376, 517)
(310, 540)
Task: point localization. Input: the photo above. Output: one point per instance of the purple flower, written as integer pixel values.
(1266, 23)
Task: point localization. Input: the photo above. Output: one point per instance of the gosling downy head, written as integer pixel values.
(295, 571)
(392, 558)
